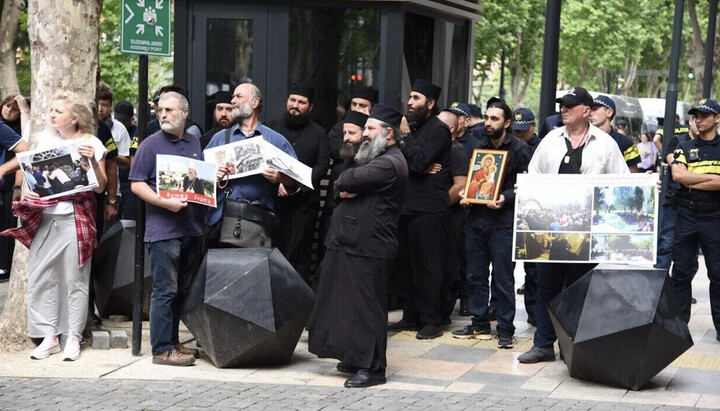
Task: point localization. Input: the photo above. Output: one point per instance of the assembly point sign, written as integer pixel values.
(146, 27)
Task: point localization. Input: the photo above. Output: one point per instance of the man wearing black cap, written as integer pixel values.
(601, 115)
(426, 214)
(523, 127)
(697, 168)
(476, 123)
(362, 101)
(455, 283)
(222, 116)
(578, 147)
(349, 318)
(489, 235)
(297, 210)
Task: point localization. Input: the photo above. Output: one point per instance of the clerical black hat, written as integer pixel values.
(302, 89)
(386, 115)
(367, 93)
(357, 118)
(223, 97)
(427, 89)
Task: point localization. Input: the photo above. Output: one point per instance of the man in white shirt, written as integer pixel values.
(578, 147)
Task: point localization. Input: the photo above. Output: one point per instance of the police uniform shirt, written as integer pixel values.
(702, 157)
(629, 150)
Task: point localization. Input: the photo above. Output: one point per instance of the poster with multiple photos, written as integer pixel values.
(58, 171)
(484, 181)
(608, 218)
(183, 177)
(253, 155)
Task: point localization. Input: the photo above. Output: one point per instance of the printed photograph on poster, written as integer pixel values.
(552, 247)
(487, 169)
(253, 155)
(591, 218)
(57, 172)
(624, 209)
(637, 248)
(539, 208)
(184, 177)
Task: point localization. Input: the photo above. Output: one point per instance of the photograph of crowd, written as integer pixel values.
(624, 209)
(57, 172)
(485, 176)
(549, 246)
(637, 248)
(539, 208)
(182, 176)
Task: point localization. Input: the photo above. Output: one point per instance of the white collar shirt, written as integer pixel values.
(600, 155)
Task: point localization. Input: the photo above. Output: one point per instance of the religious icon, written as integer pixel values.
(487, 169)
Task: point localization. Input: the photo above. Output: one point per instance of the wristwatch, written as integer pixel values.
(114, 203)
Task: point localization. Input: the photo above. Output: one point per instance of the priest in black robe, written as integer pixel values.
(349, 320)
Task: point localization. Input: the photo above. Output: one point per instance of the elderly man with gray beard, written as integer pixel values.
(349, 319)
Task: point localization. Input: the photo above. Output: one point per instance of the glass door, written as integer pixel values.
(229, 46)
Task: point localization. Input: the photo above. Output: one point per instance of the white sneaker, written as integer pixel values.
(72, 349)
(49, 345)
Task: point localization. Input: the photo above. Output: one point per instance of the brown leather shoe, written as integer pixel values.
(188, 351)
(173, 357)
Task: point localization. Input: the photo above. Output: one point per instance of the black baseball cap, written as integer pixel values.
(575, 96)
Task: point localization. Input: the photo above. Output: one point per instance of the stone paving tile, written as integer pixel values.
(710, 337)
(696, 381)
(709, 401)
(493, 379)
(455, 353)
(408, 348)
(426, 368)
(505, 362)
(572, 388)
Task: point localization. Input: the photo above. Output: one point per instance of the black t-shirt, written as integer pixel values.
(105, 137)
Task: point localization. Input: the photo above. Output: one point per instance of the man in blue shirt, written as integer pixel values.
(259, 189)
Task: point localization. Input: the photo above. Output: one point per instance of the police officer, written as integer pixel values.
(697, 168)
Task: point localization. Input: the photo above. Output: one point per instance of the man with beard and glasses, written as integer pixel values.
(222, 116)
(260, 189)
(425, 216)
(576, 147)
(349, 318)
(362, 101)
(173, 232)
(489, 238)
(297, 208)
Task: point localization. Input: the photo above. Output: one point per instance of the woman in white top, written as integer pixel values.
(61, 248)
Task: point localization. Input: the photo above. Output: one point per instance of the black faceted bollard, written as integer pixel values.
(247, 307)
(113, 268)
(619, 326)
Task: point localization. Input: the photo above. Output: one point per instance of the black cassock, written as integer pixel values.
(349, 320)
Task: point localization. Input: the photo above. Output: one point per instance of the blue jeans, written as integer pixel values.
(551, 277)
(173, 265)
(666, 234)
(494, 246)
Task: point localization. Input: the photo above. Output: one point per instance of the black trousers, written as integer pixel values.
(7, 244)
(293, 236)
(421, 263)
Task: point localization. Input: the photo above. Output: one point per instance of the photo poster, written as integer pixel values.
(604, 218)
(485, 176)
(253, 155)
(179, 176)
(58, 171)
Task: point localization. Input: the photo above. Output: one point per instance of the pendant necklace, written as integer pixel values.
(566, 160)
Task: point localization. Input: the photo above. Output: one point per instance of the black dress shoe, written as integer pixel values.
(364, 378)
(346, 368)
(403, 325)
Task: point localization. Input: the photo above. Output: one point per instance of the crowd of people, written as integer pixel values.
(395, 228)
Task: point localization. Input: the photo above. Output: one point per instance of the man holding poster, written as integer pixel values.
(173, 233)
(577, 147)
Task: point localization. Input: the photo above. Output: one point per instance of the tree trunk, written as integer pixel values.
(8, 33)
(64, 55)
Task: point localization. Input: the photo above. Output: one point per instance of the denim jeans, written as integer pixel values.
(551, 277)
(494, 246)
(173, 265)
(666, 234)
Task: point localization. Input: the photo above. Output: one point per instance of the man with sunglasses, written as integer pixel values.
(578, 147)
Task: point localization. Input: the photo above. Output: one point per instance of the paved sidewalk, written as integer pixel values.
(444, 373)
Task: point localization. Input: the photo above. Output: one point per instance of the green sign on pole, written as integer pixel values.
(146, 27)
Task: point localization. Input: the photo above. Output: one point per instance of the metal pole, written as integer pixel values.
(503, 93)
(140, 222)
(672, 89)
(710, 49)
(550, 60)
